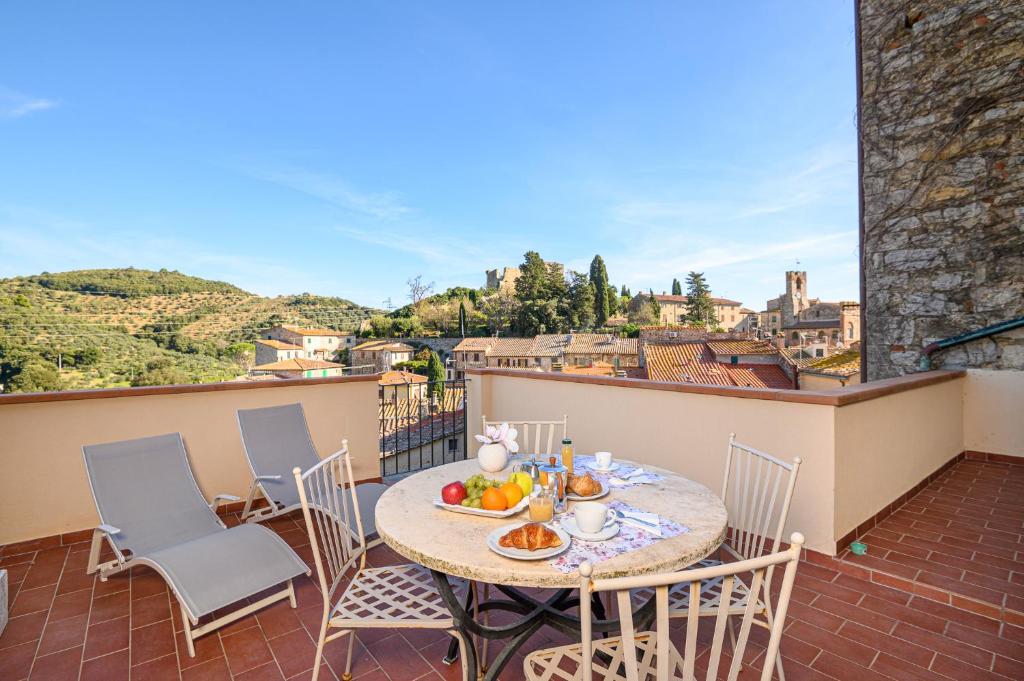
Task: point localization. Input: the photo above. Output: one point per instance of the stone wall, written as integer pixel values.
(942, 162)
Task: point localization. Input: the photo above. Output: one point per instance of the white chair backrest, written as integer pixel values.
(656, 660)
(751, 492)
(536, 437)
(335, 528)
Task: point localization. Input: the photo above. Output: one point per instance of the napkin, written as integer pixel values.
(648, 522)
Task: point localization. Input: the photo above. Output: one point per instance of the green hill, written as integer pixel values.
(107, 328)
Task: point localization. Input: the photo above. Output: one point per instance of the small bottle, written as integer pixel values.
(555, 474)
(567, 455)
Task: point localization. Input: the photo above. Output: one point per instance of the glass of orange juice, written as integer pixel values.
(542, 504)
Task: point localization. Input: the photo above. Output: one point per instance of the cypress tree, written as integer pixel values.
(700, 310)
(599, 278)
(655, 306)
(462, 318)
(435, 373)
(677, 288)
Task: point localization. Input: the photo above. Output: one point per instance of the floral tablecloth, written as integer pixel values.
(615, 479)
(629, 538)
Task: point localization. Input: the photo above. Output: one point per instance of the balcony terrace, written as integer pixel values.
(897, 464)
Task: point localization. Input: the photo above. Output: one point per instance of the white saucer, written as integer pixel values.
(525, 554)
(595, 467)
(569, 525)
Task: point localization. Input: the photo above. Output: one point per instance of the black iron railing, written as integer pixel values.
(421, 425)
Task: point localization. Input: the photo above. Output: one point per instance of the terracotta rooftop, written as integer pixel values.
(511, 347)
(473, 344)
(383, 345)
(297, 364)
(694, 363)
(600, 343)
(277, 345)
(742, 347)
(400, 378)
(840, 364)
(664, 298)
(315, 332)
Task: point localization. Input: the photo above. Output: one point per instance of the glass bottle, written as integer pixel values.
(568, 453)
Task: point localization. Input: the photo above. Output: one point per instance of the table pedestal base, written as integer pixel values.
(534, 614)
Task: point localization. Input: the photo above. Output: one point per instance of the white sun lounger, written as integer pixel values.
(276, 441)
(152, 513)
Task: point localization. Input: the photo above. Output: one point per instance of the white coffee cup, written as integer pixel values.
(591, 516)
(603, 459)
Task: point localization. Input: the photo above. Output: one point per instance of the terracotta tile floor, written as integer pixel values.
(65, 625)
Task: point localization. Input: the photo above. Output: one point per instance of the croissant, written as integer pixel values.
(584, 485)
(531, 536)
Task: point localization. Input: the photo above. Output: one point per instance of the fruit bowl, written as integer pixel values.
(470, 510)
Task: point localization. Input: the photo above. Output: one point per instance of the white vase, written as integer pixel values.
(492, 458)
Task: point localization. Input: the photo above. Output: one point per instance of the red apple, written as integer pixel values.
(453, 493)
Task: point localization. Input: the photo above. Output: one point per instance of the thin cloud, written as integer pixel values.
(386, 206)
(451, 253)
(14, 104)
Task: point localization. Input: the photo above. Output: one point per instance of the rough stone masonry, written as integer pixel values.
(942, 163)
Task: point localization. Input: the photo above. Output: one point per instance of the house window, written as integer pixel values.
(820, 352)
(849, 330)
(734, 360)
(476, 356)
(453, 444)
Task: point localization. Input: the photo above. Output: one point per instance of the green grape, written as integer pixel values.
(466, 502)
(476, 503)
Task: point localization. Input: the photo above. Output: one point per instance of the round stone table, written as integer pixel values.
(454, 544)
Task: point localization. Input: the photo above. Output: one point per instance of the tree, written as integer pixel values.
(242, 354)
(624, 293)
(541, 292)
(462, 318)
(614, 302)
(700, 310)
(599, 278)
(418, 290)
(579, 312)
(677, 288)
(435, 373)
(499, 312)
(655, 306)
(34, 377)
(380, 326)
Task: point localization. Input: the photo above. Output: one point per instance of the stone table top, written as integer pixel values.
(455, 543)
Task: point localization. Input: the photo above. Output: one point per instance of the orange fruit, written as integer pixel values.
(493, 500)
(513, 493)
(543, 479)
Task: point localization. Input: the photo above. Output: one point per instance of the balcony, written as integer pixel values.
(904, 465)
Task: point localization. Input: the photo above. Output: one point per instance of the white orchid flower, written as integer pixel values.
(503, 435)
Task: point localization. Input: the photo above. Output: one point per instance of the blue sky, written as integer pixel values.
(342, 148)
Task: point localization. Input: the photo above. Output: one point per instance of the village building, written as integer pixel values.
(673, 309)
(503, 280)
(298, 368)
(270, 351)
(545, 352)
(316, 343)
(381, 354)
(828, 373)
(795, 319)
(402, 385)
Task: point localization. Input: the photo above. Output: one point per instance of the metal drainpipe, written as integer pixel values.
(931, 348)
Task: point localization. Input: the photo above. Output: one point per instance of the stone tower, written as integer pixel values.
(795, 298)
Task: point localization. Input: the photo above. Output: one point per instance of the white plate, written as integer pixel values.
(469, 510)
(595, 467)
(525, 554)
(575, 497)
(570, 526)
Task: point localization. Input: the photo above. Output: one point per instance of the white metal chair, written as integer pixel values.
(392, 597)
(543, 431)
(651, 655)
(751, 492)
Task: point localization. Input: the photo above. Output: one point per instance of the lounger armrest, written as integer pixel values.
(222, 497)
(109, 529)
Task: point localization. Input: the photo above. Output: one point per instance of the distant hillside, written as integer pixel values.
(130, 282)
(115, 327)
